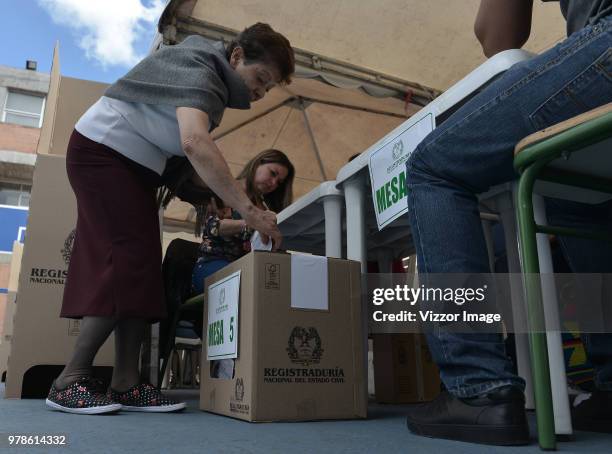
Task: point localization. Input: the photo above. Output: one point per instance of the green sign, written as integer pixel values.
(392, 192)
(388, 168)
(222, 335)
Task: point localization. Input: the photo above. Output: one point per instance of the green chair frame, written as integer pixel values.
(532, 158)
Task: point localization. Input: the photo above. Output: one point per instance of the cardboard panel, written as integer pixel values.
(233, 397)
(7, 318)
(46, 132)
(404, 370)
(40, 336)
(75, 97)
(16, 256)
(293, 364)
(6, 332)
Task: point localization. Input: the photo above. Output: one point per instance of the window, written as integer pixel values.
(24, 109)
(15, 194)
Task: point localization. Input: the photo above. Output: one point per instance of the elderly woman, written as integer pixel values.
(166, 106)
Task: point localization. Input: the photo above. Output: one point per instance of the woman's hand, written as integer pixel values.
(265, 223)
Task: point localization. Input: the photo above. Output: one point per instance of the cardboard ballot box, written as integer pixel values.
(404, 371)
(40, 337)
(286, 331)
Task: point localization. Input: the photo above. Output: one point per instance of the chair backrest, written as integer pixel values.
(562, 126)
(586, 140)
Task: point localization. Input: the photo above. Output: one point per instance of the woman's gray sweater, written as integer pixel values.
(193, 73)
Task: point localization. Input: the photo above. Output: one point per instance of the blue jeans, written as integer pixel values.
(473, 151)
(202, 270)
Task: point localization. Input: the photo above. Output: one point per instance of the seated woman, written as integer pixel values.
(268, 181)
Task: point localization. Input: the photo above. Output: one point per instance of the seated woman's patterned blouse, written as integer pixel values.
(230, 248)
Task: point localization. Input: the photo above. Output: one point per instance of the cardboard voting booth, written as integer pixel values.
(40, 337)
(6, 330)
(283, 339)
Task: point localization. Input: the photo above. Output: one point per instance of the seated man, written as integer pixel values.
(473, 151)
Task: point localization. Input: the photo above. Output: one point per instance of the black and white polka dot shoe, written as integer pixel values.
(81, 397)
(144, 397)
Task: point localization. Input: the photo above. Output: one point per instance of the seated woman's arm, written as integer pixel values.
(219, 221)
(215, 227)
(210, 165)
(231, 227)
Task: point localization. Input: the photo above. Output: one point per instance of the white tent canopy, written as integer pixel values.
(430, 43)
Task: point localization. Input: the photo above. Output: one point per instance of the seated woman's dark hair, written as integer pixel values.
(261, 43)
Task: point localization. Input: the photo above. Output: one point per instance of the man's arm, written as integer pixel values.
(503, 24)
(210, 165)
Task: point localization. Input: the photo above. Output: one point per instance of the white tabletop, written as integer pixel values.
(303, 222)
(462, 90)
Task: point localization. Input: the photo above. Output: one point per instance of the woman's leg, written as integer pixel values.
(94, 332)
(202, 270)
(129, 334)
(126, 388)
(473, 151)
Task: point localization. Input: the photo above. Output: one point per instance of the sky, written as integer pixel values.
(99, 40)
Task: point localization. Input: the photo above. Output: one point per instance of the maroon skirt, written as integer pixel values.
(115, 266)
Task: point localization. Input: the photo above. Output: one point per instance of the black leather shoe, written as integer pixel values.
(592, 412)
(495, 418)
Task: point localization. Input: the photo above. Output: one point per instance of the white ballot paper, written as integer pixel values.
(258, 245)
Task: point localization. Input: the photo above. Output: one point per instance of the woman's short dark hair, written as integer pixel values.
(283, 195)
(261, 43)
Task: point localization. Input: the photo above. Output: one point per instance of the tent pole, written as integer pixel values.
(256, 117)
(312, 139)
